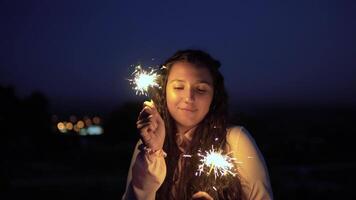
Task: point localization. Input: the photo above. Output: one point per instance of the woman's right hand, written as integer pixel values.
(151, 126)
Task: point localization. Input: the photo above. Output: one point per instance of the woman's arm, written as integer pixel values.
(252, 167)
(128, 191)
(148, 167)
(146, 174)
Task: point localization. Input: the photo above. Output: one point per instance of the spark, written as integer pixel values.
(143, 79)
(215, 162)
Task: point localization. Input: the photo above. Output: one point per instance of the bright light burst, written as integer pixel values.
(213, 161)
(143, 79)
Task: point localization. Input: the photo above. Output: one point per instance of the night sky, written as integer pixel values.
(78, 52)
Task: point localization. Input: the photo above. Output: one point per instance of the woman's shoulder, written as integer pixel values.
(239, 136)
(234, 132)
(252, 168)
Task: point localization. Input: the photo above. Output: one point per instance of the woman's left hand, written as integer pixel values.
(202, 195)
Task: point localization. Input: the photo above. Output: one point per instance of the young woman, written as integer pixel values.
(189, 112)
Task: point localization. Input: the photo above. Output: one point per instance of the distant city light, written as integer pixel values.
(69, 125)
(95, 130)
(83, 132)
(80, 124)
(76, 129)
(60, 126)
(84, 127)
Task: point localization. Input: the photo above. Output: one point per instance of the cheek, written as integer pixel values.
(171, 99)
(207, 104)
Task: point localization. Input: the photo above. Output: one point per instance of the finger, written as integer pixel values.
(145, 112)
(156, 116)
(149, 121)
(149, 104)
(156, 119)
(142, 125)
(145, 134)
(154, 124)
(146, 129)
(150, 129)
(145, 120)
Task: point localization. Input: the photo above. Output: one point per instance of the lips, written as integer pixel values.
(188, 109)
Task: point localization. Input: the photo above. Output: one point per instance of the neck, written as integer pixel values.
(185, 129)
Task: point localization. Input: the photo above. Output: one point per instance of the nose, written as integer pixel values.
(189, 96)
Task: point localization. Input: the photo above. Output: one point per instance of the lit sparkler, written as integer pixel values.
(214, 161)
(142, 80)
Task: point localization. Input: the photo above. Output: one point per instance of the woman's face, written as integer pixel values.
(189, 93)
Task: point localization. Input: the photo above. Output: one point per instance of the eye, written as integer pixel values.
(178, 88)
(201, 90)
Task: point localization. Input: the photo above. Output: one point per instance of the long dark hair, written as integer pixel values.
(214, 125)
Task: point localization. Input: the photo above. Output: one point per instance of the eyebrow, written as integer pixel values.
(199, 81)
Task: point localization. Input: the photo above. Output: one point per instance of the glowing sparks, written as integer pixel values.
(213, 161)
(143, 79)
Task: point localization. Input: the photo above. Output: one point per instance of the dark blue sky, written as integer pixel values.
(272, 51)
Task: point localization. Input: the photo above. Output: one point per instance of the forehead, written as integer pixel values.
(185, 71)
